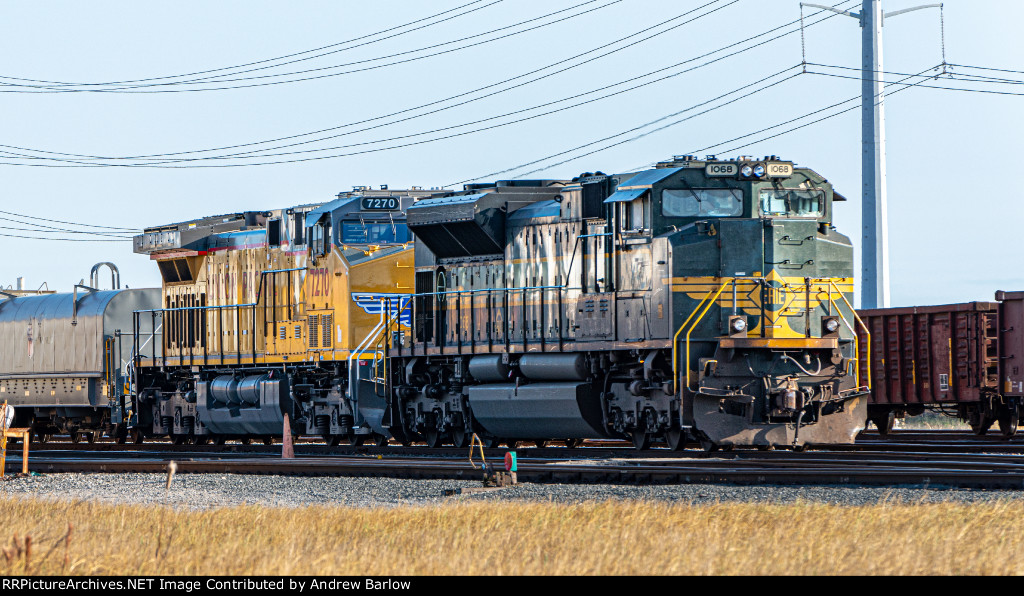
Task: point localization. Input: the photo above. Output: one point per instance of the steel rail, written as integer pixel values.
(760, 468)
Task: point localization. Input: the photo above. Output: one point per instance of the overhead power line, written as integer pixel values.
(144, 88)
(749, 93)
(632, 43)
(945, 74)
(680, 121)
(942, 87)
(73, 223)
(67, 239)
(287, 56)
(508, 114)
(807, 115)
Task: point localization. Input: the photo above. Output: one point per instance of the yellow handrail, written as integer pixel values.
(866, 333)
(675, 339)
(713, 295)
(694, 326)
(856, 341)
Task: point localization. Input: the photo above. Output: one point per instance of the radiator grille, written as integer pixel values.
(314, 330)
(328, 326)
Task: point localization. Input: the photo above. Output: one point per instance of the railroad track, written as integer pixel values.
(741, 467)
(942, 441)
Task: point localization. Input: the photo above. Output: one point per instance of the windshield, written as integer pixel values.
(702, 202)
(372, 233)
(792, 202)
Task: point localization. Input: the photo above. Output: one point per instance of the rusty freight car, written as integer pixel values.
(963, 359)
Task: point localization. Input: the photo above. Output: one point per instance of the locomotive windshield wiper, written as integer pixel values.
(695, 195)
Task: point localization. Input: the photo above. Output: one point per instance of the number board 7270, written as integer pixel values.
(380, 204)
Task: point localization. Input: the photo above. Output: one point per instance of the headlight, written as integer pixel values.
(759, 171)
(831, 325)
(738, 325)
(746, 171)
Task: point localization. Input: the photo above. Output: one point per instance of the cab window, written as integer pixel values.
(357, 232)
(791, 202)
(702, 202)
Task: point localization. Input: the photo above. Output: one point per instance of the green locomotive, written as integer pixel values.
(699, 301)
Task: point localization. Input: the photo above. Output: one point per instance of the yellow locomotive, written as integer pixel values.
(268, 314)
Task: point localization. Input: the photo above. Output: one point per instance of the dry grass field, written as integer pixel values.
(499, 538)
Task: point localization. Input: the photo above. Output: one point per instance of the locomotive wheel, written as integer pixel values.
(268, 440)
(382, 441)
(135, 436)
(202, 439)
(541, 443)
(573, 443)
(245, 440)
(981, 427)
(76, 438)
(708, 445)
(492, 442)
(333, 440)
(432, 438)
(121, 439)
(1008, 422)
(90, 438)
(45, 438)
(513, 444)
(675, 439)
(177, 439)
(459, 438)
(641, 440)
(219, 439)
(356, 440)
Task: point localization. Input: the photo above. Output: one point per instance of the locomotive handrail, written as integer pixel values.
(259, 290)
(675, 339)
(694, 326)
(867, 356)
(360, 349)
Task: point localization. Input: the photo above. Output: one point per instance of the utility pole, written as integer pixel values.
(875, 220)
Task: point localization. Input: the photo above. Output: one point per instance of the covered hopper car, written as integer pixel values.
(66, 360)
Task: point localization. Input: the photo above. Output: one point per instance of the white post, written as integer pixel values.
(875, 219)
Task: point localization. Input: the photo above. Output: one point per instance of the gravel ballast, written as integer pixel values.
(205, 491)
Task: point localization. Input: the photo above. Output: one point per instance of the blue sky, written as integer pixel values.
(955, 214)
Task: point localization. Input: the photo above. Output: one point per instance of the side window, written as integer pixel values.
(274, 232)
(636, 214)
(320, 237)
(299, 222)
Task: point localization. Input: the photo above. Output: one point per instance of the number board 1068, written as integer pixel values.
(380, 204)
